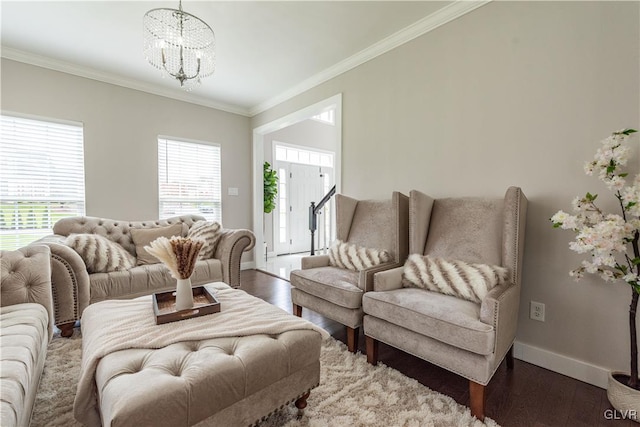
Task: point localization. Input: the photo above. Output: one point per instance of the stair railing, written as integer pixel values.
(313, 215)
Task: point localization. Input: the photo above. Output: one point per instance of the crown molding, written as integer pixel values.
(90, 73)
(440, 17)
(423, 26)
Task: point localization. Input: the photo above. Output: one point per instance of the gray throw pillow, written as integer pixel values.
(210, 233)
(457, 278)
(143, 236)
(100, 254)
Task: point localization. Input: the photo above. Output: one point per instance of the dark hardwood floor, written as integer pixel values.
(525, 396)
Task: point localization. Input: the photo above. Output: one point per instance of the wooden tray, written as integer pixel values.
(164, 305)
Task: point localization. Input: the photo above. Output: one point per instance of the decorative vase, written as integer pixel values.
(623, 398)
(184, 295)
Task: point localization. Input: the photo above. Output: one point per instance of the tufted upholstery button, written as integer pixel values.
(157, 223)
(100, 223)
(115, 224)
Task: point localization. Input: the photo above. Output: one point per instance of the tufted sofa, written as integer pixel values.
(74, 288)
(26, 320)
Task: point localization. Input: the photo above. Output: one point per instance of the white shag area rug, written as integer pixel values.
(351, 393)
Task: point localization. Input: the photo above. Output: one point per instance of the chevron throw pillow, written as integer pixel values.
(210, 232)
(452, 277)
(353, 257)
(100, 254)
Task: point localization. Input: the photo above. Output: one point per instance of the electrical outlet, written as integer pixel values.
(537, 311)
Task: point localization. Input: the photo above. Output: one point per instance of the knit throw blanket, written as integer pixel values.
(115, 325)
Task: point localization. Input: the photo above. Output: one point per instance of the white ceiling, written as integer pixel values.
(265, 51)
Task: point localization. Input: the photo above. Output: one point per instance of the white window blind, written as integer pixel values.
(41, 177)
(189, 179)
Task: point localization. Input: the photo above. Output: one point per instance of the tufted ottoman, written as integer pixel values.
(223, 381)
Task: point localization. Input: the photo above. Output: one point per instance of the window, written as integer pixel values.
(189, 179)
(328, 117)
(282, 211)
(306, 157)
(41, 177)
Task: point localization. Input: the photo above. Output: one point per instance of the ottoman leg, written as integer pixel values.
(301, 403)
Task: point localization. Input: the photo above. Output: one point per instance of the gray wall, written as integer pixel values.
(513, 93)
(121, 127)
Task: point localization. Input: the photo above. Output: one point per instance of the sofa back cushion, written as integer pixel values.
(116, 230)
(144, 236)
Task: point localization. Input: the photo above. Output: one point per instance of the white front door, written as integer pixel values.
(306, 186)
(302, 184)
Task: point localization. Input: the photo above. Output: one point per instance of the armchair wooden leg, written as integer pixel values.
(476, 399)
(372, 349)
(352, 339)
(66, 329)
(297, 310)
(510, 358)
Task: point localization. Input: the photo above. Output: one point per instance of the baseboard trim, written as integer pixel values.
(574, 368)
(249, 265)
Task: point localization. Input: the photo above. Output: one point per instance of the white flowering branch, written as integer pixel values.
(610, 239)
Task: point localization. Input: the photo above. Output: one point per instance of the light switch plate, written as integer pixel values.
(232, 191)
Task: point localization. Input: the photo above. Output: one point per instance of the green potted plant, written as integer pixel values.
(611, 240)
(270, 188)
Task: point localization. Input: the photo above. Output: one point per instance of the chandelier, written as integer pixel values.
(180, 44)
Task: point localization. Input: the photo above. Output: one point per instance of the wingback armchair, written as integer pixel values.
(336, 292)
(465, 337)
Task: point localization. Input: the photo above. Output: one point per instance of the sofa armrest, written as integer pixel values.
(69, 281)
(314, 261)
(365, 279)
(499, 309)
(26, 278)
(388, 280)
(231, 245)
